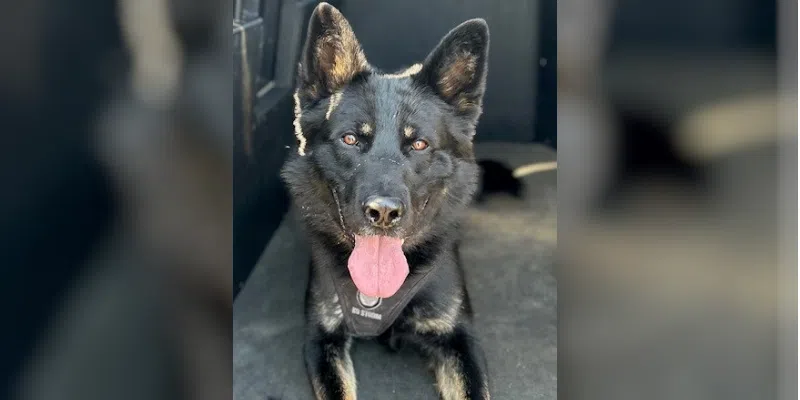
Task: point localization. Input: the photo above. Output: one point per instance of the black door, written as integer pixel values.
(267, 37)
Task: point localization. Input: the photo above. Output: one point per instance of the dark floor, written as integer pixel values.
(508, 252)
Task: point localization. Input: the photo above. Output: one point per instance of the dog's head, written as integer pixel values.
(385, 160)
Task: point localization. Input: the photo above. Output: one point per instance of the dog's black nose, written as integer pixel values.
(383, 212)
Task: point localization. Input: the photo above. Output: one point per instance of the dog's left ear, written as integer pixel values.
(456, 68)
(332, 56)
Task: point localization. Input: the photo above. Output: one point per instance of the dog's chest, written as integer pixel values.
(365, 316)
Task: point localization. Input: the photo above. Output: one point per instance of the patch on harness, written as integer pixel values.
(365, 313)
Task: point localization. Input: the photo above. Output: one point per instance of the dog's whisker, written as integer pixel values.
(341, 216)
(391, 160)
(425, 204)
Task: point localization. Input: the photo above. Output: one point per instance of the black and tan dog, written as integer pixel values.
(382, 173)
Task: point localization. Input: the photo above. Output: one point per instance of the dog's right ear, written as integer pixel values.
(332, 56)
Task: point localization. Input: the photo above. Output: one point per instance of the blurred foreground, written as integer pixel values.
(115, 214)
(677, 193)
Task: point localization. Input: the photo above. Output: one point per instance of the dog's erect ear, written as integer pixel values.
(456, 68)
(332, 55)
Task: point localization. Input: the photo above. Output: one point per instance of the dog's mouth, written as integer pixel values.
(378, 265)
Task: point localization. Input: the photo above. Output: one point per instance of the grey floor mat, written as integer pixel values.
(508, 252)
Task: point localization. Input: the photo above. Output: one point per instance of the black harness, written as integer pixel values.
(367, 316)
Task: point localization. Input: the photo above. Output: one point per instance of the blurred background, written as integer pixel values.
(115, 215)
(677, 191)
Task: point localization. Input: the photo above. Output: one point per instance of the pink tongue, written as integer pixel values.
(377, 265)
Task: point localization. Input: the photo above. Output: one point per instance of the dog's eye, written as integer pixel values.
(419, 145)
(350, 139)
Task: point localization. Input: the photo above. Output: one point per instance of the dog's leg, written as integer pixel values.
(458, 363)
(329, 366)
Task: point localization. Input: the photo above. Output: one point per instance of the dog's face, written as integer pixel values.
(385, 155)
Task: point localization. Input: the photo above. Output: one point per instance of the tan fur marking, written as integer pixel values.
(298, 128)
(412, 70)
(366, 128)
(318, 393)
(437, 326)
(339, 51)
(465, 104)
(441, 324)
(330, 315)
(457, 74)
(332, 103)
(344, 368)
(449, 380)
(408, 131)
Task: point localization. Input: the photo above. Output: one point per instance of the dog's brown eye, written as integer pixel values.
(419, 145)
(349, 139)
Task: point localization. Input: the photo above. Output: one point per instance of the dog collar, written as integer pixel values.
(367, 316)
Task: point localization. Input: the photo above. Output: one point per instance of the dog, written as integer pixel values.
(381, 175)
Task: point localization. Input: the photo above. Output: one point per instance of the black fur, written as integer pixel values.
(440, 104)
(497, 178)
